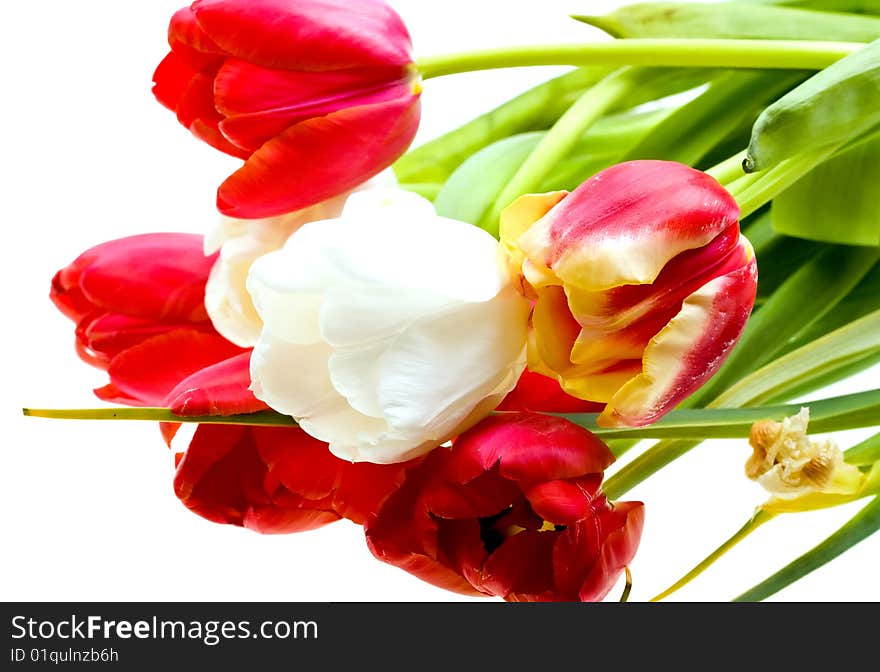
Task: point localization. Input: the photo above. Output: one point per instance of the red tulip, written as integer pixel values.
(642, 284)
(276, 480)
(138, 304)
(316, 96)
(514, 509)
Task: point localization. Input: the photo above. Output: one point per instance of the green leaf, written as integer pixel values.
(850, 411)
(836, 202)
(865, 453)
(854, 6)
(473, 187)
(732, 101)
(732, 20)
(858, 528)
(832, 107)
(536, 109)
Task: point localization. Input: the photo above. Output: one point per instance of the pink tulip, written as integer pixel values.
(641, 281)
(514, 509)
(316, 96)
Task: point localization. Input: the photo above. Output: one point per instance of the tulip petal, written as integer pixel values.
(529, 447)
(353, 145)
(688, 350)
(616, 229)
(219, 389)
(411, 392)
(620, 530)
(192, 44)
(150, 370)
(155, 275)
(538, 393)
(222, 478)
(308, 34)
(522, 566)
(564, 502)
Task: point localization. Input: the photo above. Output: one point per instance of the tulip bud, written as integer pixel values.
(315, 95)
(386, 331)
(138, 304)
(641, 283)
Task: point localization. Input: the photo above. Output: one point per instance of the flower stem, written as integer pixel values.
(703, 53)
(264, 418)
(754, 523)
(729, 170)
(561, 137)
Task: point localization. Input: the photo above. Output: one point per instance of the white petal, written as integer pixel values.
(439, 369)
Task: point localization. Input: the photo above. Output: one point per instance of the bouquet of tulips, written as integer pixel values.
(449, 343)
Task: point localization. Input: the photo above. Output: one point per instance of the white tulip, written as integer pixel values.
(240, 242)
(386, 331)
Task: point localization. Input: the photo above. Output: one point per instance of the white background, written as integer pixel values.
(88, 510)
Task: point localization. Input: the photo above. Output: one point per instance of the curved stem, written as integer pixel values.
(561, 137)
(753, 524)
(729, 170)
(701, 53)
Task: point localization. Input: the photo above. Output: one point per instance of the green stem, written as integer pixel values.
(753, 524)
(859, 527)
(776, 180)
(264, 418)
(728, 170)
(701, 53)
(561, 137)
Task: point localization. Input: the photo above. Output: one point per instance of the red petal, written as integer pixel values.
(191, 43)
(623, 530)
(109, 334)
(363, 488)
(219, 389)
(599, 236)
(540, 394)
(522, 565)
(169, 431)
(157, 275)
(485, 495)
(221, 477)
(149, 371)
(260, 104)
(529, 447)
(319, 158)
(688, 351)
(196, 111)
(404, 535)
(564, 502)
(307, 34)
(171, 80)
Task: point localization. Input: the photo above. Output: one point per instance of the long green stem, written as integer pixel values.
(700, 53)
(265, 418)
(753, 524)
(561, 137)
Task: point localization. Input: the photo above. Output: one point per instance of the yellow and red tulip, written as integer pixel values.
(641, 283)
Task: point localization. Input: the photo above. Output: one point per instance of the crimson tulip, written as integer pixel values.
(514, 509)
(276, 480)
(316, 96)
(641, 282)
(138, 304)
